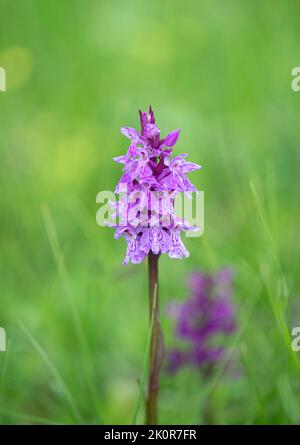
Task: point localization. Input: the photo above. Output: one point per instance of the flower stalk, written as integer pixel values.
(157, 345)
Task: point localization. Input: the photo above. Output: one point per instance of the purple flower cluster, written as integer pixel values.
(151, 181)
(208, 315)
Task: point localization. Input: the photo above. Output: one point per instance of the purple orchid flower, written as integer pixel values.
(208, 313)
(148, 167)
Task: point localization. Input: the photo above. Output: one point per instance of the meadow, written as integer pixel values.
(76, 319)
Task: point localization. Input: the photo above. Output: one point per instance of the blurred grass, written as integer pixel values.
(78, 71)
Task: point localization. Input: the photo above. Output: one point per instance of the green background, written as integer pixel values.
(76, 319)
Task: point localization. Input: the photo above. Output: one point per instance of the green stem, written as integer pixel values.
(157, 348)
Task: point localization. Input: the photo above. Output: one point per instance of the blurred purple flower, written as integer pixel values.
(149, 169)
(208, 313)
